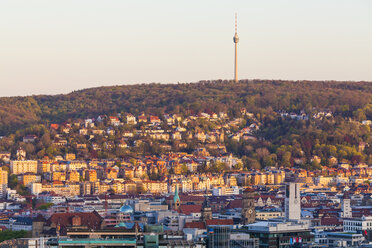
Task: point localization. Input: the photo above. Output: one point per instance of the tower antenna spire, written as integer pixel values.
(236, 23)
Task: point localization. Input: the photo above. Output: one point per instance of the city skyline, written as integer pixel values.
(140, 124)
(52, 48)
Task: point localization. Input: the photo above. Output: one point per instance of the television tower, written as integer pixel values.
(236, 40)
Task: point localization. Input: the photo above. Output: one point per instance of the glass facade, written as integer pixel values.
(219, 237)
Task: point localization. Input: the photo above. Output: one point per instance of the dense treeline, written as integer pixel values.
(345, 98)
(280, 141)
(9, 234)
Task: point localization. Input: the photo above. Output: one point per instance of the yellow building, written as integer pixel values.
(112, 174)
(3, 176)
(43, 166)
(302, 173)
(59, 176)
(263, 180)
(86, 188)
(232, 181)
(118, 187)
(76, 165)
(256, 179)
(23, 166)
(130, 187)
(91, 175)
(177, 169)
(270, 178)
(58, 166)
(186, 185)
(140, 171)
(265, 215)
(74, 176)
(129, 173)
(74, 189)
(155, 186)
(70, 156)
(278, 178)
(28, 178)
(103, 188)
(3, 182)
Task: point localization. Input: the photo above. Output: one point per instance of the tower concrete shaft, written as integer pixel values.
(236, 63)
(236, 40)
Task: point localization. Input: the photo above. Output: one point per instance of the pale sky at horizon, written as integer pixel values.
(52, 47)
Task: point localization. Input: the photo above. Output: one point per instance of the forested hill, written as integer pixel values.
(258, 96)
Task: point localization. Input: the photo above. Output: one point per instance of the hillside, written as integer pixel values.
(258, 96)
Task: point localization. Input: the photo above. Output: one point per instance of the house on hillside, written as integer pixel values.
(131, 119)
(29, 138)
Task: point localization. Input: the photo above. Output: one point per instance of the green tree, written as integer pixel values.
(9, 234)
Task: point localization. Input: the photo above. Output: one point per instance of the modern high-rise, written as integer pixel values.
(236, 40)
(292, 202)
(3, 182)
(346, 211)
(224, 236)
(283, 233)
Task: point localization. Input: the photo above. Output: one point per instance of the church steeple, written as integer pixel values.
(206, 208)
(248, 208)
(176, 199)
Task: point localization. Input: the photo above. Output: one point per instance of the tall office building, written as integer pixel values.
(346, 211)
(291, 232)
(225, 237)
(292, 202)
(3, 182)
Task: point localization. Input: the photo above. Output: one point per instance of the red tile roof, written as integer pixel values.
(91, 220)
(214, 222)
(238, 203)
(330, 221)
(189, 209)
(198, 225)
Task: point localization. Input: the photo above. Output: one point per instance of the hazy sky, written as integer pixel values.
(50, 47)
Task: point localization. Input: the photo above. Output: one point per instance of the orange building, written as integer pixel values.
(29, 178)
(74, 176)
(129, 173)
(91, 175)
(59, 176)
(111, 174)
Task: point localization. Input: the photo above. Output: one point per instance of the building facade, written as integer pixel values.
(248, 208)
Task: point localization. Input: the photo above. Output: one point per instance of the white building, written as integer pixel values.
(358, 224)
(131, 120)
(323, 181)
(222, 190)
(55, 199)
(36, 188)
(344, 239)
(76, 165)
(23, 166)
(346, 211)
(272, 227)
(292, 202)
